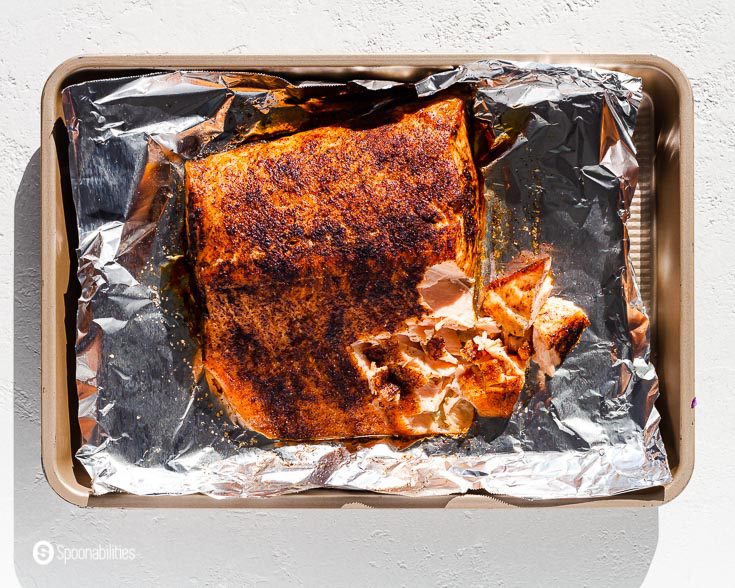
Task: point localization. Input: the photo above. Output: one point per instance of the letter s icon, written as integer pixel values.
(43, 553)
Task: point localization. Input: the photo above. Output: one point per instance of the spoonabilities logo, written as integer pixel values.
(43, 553)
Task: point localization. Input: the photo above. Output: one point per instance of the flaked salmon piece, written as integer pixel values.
(519, 348)
(515, 299)
(556, 330)
(492, 379)
(447, 293)
(414, 387)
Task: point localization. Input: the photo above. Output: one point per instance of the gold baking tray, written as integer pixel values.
(662, 243)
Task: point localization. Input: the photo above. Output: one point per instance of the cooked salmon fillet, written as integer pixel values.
(556, 331)
(305, 245)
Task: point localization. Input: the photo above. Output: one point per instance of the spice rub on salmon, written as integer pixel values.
(337, 268)
(306, 244)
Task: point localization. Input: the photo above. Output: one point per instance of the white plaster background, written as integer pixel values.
(688, 542)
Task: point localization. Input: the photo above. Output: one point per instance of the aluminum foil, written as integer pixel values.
(559, 169)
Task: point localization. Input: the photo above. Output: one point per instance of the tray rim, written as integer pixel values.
(61, 478)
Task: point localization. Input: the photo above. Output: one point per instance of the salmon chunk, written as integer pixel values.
(556, 331)
(515, 298)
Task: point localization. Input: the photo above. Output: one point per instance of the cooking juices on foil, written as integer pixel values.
(558, 171)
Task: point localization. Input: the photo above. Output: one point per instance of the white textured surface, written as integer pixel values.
(686, 543)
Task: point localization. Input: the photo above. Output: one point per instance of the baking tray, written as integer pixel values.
(662, 249)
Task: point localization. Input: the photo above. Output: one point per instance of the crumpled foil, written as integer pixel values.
(559, 169)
